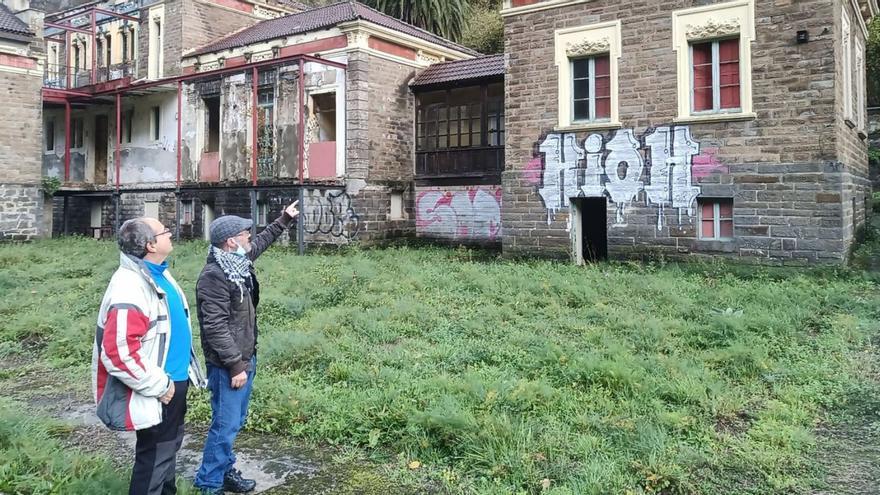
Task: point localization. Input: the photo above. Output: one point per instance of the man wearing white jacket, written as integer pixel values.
(143, 360)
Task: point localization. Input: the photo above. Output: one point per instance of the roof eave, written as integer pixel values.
(432, 86)
(392, 34)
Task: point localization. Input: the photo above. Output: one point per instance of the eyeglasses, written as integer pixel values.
(166, 231)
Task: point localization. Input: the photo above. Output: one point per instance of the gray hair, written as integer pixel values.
(133, 237)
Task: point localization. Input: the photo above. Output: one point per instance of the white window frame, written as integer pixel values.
(716, 219)
(716, 79)
(596, 40)
(155, 51)
(591, 77)
(713, 23)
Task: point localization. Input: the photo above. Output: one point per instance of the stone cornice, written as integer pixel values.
(713, 29)
(587, 47)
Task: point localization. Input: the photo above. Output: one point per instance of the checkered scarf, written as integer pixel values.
(237, 268)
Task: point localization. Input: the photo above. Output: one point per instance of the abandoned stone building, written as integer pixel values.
(730, 129)
(606, 129)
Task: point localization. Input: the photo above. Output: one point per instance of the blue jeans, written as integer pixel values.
(228, 411)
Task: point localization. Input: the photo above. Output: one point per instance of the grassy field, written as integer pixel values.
(485, 376)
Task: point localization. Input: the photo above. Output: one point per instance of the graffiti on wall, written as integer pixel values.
(472, 213)
(617, 168)
(330, 213)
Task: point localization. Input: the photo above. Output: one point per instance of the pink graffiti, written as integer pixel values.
(532, 172)
(706, 164)
(471, 213)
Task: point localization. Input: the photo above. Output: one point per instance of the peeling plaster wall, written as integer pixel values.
(81, 158)
(146, 159)
(192, 133)
(287, 123)
(236, 103)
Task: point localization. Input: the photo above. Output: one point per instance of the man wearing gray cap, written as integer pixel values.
(227, 294)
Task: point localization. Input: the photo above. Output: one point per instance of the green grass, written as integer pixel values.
(527, 377)
(34, 461)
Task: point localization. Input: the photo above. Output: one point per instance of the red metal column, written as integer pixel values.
(66, 141)
(302, 121)
(94, 47)
(118, 138)
(179, 118)
(254, 115)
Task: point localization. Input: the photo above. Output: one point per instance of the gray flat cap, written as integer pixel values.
(228, 226)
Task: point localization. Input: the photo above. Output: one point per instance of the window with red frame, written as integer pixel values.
(715, 79)
(716, 218)
(591, 88)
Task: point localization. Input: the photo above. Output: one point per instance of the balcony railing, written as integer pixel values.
(460, 162)
(67, 77)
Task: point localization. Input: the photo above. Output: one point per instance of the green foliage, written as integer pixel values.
(515, 377)
(50, 185)
(445, 18)
(484, 31)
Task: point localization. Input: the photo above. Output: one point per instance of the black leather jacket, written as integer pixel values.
(228, 321)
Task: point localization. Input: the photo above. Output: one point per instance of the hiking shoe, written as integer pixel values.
(210, 491)
(233, 482)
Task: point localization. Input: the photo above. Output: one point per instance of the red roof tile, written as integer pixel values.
(461, 70)
(321, 18)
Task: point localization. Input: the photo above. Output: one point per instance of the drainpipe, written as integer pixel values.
(254, 118)
(118, 141)
(66, 140)
(302, 122)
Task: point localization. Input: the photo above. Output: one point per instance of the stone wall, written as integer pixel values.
(21, 139)
(21, 212)
(781, 169)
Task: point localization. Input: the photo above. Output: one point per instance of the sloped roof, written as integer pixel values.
(9, 23)
(321, 18)
(461, 70)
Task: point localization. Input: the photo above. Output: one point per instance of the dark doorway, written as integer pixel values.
(101, 149)
(591, 224)
(212, 110)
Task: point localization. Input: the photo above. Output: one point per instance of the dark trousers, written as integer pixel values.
(156, 450)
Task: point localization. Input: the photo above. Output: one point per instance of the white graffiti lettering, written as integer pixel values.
(618, 167)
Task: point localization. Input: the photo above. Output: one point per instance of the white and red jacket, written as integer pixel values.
(131, 345)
